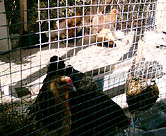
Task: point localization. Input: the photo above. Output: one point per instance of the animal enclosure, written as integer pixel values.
(93, 67)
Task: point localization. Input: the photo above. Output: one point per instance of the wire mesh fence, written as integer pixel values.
(82, 67)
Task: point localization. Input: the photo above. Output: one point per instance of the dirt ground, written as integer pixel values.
(28, 66)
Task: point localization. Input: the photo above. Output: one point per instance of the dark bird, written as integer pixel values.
(141, 88)
(92, 112)
(30, 39)
(51, 109)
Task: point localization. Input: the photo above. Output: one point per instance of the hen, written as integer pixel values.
(30, 39)
(104, 25)
(51, 109)
(141, 88)
(92, 112)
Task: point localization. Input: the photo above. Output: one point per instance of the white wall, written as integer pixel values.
(4, 44)
(160, 19)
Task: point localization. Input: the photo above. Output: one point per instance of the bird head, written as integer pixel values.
(61, 86)
(70, 82)
(66, 83)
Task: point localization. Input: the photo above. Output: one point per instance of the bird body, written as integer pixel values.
(88, 111)
(94, 113)
(141, 97)
(141, 88)
(51, 109)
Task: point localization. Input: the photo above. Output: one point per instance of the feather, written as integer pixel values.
(51, 109)
(141, 88)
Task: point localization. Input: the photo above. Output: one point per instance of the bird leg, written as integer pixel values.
(132, 124)
(138, 120)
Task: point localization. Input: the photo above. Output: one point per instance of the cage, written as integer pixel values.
(82, 67)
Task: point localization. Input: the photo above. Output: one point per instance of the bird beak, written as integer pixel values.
(73, 88)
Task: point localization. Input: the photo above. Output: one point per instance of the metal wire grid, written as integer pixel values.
(134, 15)
(135, 9)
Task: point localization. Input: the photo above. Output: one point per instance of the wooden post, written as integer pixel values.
(4, 37)
(23, 8)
